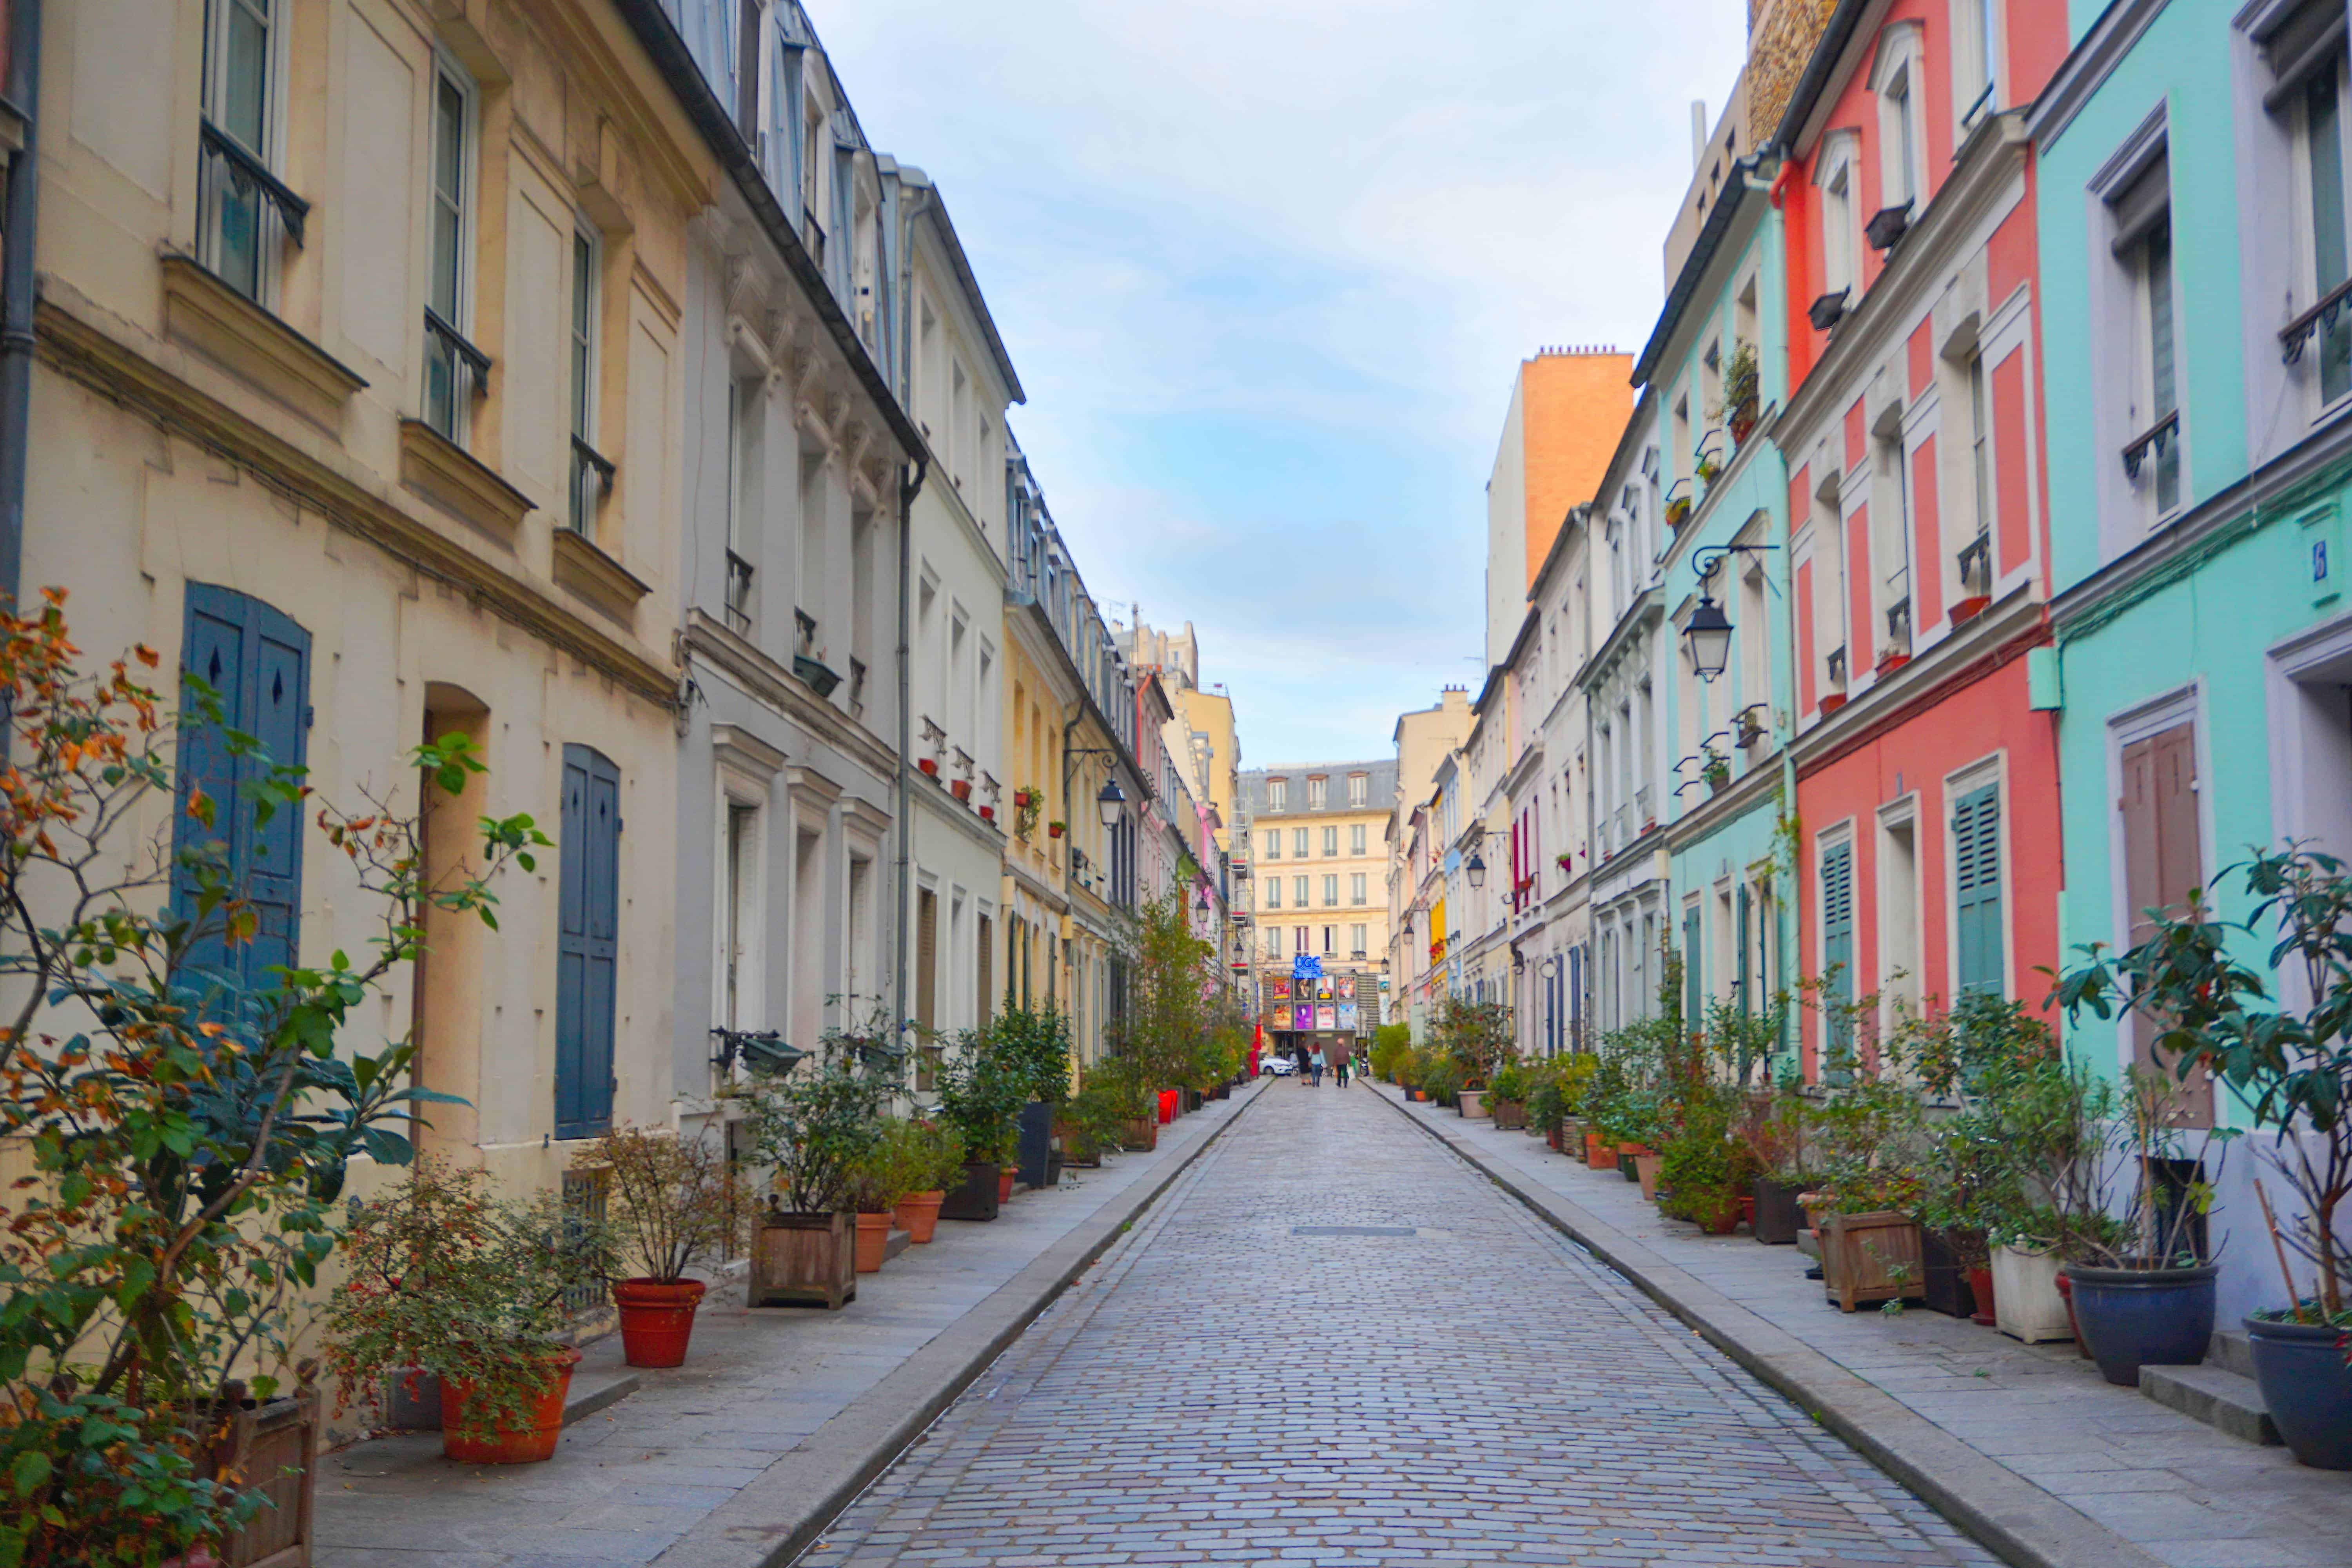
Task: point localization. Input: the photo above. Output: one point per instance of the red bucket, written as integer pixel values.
(1168, 1100)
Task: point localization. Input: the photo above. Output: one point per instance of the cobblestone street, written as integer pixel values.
(1334, 1342)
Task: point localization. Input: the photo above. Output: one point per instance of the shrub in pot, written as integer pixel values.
(2289, 1059)
(815, 1124)
(933, 1160)
(1772, 1126)
(981, 1095)
(179, 1193)
(1507, 1098)
(478, 1291)
(672, 1203)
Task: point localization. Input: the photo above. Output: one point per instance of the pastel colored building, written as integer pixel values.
(1566, 409)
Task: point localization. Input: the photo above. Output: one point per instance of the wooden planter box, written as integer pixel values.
(1858, 1249)
(1510, 1114)
(979, 1197)
(265, 1440)
(1140, 1132)
(2025, 1301)
(804, 1260)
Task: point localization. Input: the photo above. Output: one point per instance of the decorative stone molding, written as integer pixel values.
(595, 576)
(440, 470)
(224, 326)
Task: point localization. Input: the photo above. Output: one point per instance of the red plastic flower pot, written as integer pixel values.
(1004, 1184)
(528, 1444)
(872, 1242)
(656, 1319)
(917, 1215)
(1980, 1287)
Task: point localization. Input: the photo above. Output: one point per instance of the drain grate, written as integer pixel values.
(1352, 1230)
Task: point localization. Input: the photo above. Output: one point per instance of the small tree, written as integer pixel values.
(817, 1122)
(1169, 977)
(670, 1203)
(188, 1124)
(1476, 1035)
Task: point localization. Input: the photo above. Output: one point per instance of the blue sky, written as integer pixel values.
(1266, 268)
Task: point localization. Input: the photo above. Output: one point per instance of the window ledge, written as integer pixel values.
(588, 572)
(438, 468)
(224, 325)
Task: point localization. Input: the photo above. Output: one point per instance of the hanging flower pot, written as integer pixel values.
(656, 1319)
(531, 1443)
(1024, 798)
(1055, 829)
(988, 814)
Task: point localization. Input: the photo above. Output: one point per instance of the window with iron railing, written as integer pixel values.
(245, 211)
(456, 372)
(739, 593)
(1899, 627)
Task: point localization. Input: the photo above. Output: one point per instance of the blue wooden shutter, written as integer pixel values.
(1746, 960)
(1976, 889)
(256, 662)
(587, 942)
(1693, 993)
(1837, 948)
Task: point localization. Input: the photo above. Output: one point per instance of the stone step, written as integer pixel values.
(2224, 1400)
(594, 1391)
(2233, 1351)
(899, 1241)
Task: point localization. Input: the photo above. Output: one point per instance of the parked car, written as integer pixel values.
(1280, 1067)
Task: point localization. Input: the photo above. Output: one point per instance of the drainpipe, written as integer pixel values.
(907, 490)
(16, 291)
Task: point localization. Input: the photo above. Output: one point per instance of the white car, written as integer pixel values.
(1280, 1067)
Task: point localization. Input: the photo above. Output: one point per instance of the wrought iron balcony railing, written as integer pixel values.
(241, 204)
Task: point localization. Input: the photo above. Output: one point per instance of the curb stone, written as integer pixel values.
(776, 1518)
(2003, 1511)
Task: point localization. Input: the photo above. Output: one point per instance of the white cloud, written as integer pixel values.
(1266, 268)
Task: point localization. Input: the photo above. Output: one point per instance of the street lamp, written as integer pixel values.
(1475, 871)
(1110, 802)
(1709, 637)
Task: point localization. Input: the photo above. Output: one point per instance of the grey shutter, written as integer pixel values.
(587, 941)
(2306, 40)
(256, 661)
(2140, 206)
(1837, 952)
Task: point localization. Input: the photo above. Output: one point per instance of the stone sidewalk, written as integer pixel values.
(2026, 1446)
(778, 1417)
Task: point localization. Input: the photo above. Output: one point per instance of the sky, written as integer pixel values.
(1266, 268)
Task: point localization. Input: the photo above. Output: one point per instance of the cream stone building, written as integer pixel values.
(1318, 880)
(357, 393)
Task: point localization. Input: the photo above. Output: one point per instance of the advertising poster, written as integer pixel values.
(1282, 988)
(1347, 988)
(1323, 992)
(1347, 1014)
(1303, 1017)
(1327, 1017)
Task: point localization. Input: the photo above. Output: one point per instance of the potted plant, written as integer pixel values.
(1056, 829)
(671, 1207)
(1507, 1098)
(933, 1160)
(980, 1097)
(1678, 510)
(813, 1125)
(1869, 1137)
(476, 1291)
(2288, 1058)
(1022, 799)
(1716, 769)
(930, 766)
(1739, 390)
(961, 790)
(1032, 1046)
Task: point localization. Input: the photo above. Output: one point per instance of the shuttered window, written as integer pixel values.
(2164, 864)
(1837, 956)
(1747, 965)
(984, 996)
(256, 661)
(927, 959)
(1976, 892)
(1694, 987)
(587, 942)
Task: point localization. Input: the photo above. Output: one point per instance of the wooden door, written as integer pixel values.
(2163, 864)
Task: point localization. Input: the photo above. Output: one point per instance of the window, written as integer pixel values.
(592, 476)
(1318, 793)
(1357, 892)
(587, 941)
(1273, 892)
(1838, 221)
(1890, 545)
(1898, 122)
(454, 368)
(256, 660)
(1356, 839)
(1976, 59)
(1330, 932)
(1298, 939)
(1976, 891)
(242, 207)
(1298, 843)
(738, 912)
(1356, 948)
(1330, 891)
(1360, 789)
(1981, 458)
(1273, 941)
(1274, 844)
(1298, 892)
(1330, 842)
(2142, 213)
(2322, 138)
(1277, 795)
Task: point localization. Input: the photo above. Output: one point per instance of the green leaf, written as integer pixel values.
(30, 1472)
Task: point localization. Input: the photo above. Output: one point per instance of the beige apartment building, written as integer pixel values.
(1318, 856)
(357, 392)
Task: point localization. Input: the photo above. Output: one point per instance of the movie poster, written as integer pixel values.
(1347, 988)
(1282, 988)
(1327, 1017)
(1347, 1015)
(1303, 1017)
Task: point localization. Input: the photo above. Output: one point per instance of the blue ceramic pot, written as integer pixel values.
(2301, 1372)
(2131, 1318)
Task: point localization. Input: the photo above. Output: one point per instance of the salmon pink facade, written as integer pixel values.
(1925, 828)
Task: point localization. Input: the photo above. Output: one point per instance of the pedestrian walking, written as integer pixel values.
(1314, 1066)
(1342, 1070)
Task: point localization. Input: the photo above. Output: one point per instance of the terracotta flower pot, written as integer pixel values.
(1600, 1154)
(917, 1215)
(1004, 1184)
(931, 765)
(530, 1444)
(988, 814)
(873, 1236)
(960, 789)
(656, 1319)
(1726, 1220)
(1646, 1171)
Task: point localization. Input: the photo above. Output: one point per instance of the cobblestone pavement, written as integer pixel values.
(1333, 1343)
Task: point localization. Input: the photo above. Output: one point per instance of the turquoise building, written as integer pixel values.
(2198, 384)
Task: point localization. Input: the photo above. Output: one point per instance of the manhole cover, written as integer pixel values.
(1351, 1230)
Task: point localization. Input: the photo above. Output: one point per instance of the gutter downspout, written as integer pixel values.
(17, 291)
(907, 490)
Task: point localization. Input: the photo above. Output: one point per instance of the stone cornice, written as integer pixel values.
(99, 355)
(771, 683)
(2087, 68)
